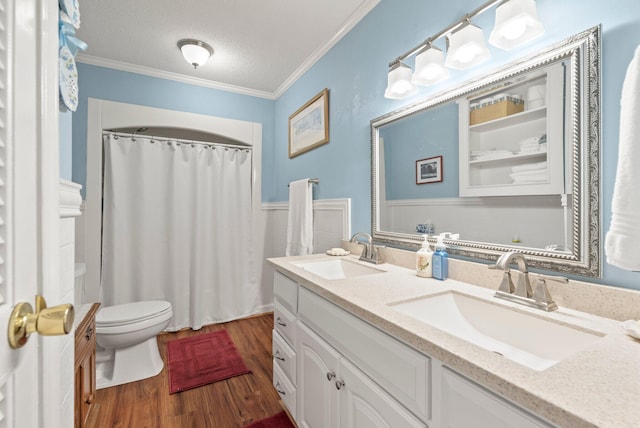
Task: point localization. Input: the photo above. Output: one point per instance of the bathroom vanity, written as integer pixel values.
(85, 365)
(356, 351)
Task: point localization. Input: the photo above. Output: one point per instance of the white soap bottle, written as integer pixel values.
(423, 259)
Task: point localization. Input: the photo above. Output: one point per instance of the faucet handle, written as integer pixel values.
(506, 286)
(542, 294)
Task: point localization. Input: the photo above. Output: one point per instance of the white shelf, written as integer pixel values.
(491, 177)
(534, 156)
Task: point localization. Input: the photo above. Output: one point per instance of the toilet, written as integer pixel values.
(127, 349)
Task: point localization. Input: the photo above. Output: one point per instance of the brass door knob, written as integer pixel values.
(53, 321)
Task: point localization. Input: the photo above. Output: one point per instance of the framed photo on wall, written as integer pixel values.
(429, 170)
(309, 125)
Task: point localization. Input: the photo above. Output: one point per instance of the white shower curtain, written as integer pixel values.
(177, 227)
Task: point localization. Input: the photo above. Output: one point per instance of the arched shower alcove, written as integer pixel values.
(108, 115)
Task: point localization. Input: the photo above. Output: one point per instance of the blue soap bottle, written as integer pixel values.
(440, 261)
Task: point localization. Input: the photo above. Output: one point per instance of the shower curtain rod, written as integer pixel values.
(176, 140)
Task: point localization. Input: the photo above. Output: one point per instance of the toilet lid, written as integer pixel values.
(128, 313)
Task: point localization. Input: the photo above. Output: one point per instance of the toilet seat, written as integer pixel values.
(132, 313)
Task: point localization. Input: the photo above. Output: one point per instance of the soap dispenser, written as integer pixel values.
(423, 259)
(440, 261)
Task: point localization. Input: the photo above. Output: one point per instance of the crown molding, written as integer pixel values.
(359, 13)
(153, 72)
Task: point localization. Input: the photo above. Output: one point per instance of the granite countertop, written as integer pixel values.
(598, 386)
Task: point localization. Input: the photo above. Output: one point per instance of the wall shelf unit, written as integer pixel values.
(518, 154)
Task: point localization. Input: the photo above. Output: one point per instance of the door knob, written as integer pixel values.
(53, 321)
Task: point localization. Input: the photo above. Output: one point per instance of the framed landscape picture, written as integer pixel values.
(429, 170)
(309, 125)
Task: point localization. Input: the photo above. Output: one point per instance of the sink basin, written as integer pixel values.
(524, 338)
(337, 268)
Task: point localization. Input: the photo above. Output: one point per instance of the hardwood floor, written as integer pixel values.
(232, 403)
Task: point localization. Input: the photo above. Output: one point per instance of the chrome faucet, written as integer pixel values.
(523, 292)
(370, 253)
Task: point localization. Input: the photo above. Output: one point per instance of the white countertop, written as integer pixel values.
(599, 386)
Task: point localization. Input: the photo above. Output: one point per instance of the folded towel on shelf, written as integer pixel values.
(529, 167)
(490, 154)
(621, 242)
(300, 224)
(534, 176)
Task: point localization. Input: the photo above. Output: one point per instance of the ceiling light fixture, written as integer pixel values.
(516, 23)
(195, 52)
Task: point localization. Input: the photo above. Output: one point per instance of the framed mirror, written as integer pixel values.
(518, 163)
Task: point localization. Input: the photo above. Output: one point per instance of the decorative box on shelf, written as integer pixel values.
(494, 109)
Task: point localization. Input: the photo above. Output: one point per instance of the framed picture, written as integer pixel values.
(429, 170)
(309, 125)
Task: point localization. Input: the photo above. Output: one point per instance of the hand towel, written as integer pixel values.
(300, 224)
(621, 242)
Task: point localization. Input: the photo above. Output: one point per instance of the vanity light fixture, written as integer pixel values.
(466, 47)
(430, 67)
(399, 83)
(516, 23)
(195, 52)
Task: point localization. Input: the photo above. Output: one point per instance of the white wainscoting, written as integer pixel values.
(538, 221)
(331, 224)
(60, 371)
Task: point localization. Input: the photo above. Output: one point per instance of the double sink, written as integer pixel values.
(534, 340)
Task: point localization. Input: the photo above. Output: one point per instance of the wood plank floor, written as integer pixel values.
(232, 403)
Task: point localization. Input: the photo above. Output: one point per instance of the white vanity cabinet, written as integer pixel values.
(465, 404)
(335, 370)
(285, 292)
(333, 393)
(492, 161)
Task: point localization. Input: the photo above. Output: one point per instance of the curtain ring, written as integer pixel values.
(115, 137)
(152, 141)
(193, 145)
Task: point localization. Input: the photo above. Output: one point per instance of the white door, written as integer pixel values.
(28, 197)
(317, 374)
(363, 404)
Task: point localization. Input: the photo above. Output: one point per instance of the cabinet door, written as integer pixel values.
(318, 366)
(465, 404)
(364, 405)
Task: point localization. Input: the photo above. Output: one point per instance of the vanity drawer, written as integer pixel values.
(284, 323)
(286, 390)
(286, 291)
(284, 357)
(402, 371)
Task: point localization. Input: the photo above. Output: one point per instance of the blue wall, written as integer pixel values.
(430, 133)
(120, 86)
(354, 71)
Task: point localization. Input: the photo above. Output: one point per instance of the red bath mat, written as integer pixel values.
(203, 359)
(279, 420)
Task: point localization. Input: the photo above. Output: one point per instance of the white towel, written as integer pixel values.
(300, 225)
(623, 237)
(529, 167)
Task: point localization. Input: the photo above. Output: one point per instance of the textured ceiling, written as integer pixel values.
(260, 46)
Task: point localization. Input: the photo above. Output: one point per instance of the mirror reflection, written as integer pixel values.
(512, 167)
